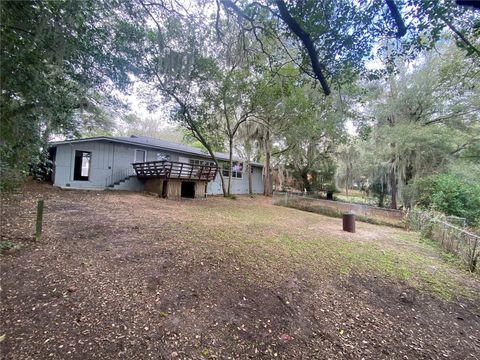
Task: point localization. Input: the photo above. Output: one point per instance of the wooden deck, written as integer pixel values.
(175, 170)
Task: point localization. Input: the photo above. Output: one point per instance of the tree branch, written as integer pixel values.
(231, 5)
(446, 117)
(290, 147)
(307, 42)
(461, 36)
(401, 28)
(464, 146)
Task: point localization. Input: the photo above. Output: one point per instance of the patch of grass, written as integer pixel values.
(206, 352)
(328, 256)
(435, 246)
(268, 241)
(356, 199)
(6, 245)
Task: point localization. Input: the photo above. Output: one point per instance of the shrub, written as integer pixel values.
(11, 178)
(451, 195)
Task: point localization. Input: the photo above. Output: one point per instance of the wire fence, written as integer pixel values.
(454, 239)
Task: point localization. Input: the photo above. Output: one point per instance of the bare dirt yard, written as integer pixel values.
(130, 276)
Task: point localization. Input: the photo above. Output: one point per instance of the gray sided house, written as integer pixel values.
(139, 163)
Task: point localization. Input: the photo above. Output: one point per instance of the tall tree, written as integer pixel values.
(312, 136)
(274, 108)
(348, 155)
(248, 149)
(178, 66)
(429, 119)
(235, 109)
(57, 75)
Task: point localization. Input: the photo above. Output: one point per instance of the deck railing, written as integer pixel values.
(175, 170)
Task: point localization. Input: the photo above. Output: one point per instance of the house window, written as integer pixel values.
(202, 162)
(237, 169)
(81, 168)
(140, 156)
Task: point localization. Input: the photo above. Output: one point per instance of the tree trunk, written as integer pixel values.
(230, 162)
(266, 169)
(250, 180)
(192, 126)
(215, 160)
(393, 188)
(222, 181)
(248, 167)
(346, 184)
(306, 184)
(392, 175)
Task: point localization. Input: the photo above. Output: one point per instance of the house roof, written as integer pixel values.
(154, 144)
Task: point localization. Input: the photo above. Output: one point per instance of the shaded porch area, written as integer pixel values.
(175, 170)
(171, 179)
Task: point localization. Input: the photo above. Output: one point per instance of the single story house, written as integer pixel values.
(139, 163)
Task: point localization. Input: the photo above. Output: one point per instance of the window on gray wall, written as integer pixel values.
(140, 156)
(237, 169)
(81, 168)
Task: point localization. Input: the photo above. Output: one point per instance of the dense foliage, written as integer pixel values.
(418, 122)
(451, 194)
(60, 61)
(251, 77)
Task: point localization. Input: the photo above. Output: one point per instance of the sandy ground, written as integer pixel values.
(130, 276)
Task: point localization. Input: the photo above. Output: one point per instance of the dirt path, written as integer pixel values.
(124, 275)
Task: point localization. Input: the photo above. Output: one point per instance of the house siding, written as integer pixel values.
(102, 159)
(110, 157)
(239, 186)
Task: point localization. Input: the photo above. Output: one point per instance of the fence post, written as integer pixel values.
(443, 233)
(38, 229)
(474, 257)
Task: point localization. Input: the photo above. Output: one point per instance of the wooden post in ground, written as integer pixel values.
(38, 230)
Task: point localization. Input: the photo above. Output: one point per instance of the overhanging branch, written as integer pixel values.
(401, 28)
(307, 42)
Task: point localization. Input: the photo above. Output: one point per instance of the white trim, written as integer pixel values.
(135, 155)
